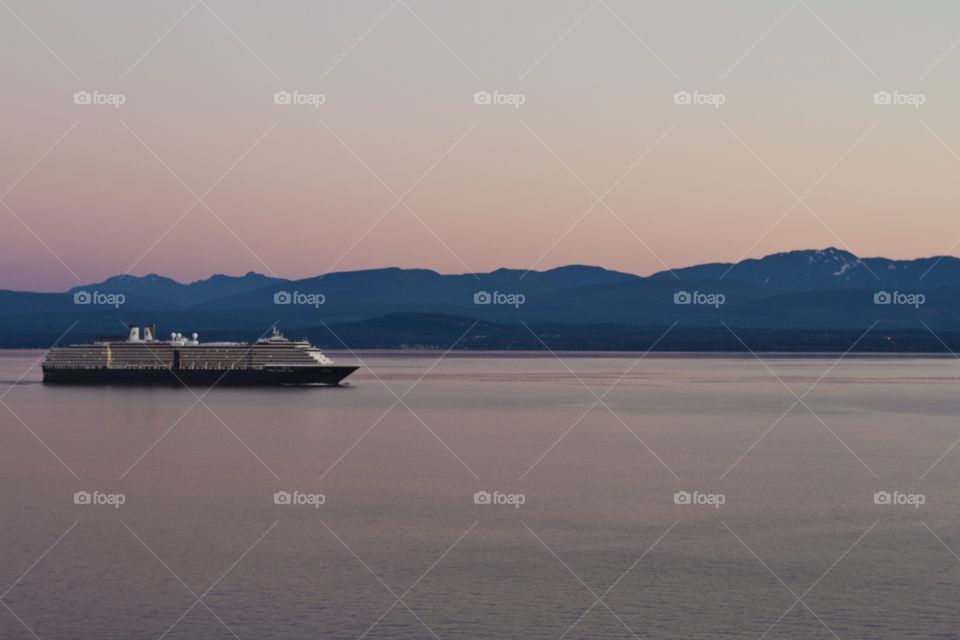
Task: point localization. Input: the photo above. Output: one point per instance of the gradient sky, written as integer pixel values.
(297, 191)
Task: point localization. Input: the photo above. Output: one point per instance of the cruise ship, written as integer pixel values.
(271, 360)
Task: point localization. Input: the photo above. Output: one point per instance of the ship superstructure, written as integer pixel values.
(185, 360)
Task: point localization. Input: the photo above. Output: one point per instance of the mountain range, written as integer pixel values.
(805, 293)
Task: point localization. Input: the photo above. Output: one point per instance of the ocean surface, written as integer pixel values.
(378, 533)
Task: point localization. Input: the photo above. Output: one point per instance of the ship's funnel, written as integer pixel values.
(134, 333)
(150, 333)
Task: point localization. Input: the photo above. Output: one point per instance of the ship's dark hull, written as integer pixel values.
(273, 376)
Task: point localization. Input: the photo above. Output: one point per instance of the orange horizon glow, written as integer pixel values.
(400, 166)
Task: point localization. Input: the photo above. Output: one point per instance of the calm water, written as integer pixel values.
(598, 518)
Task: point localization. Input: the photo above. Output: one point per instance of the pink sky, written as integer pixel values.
(93, 191)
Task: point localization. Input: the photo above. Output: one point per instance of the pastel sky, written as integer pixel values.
(400, 167)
